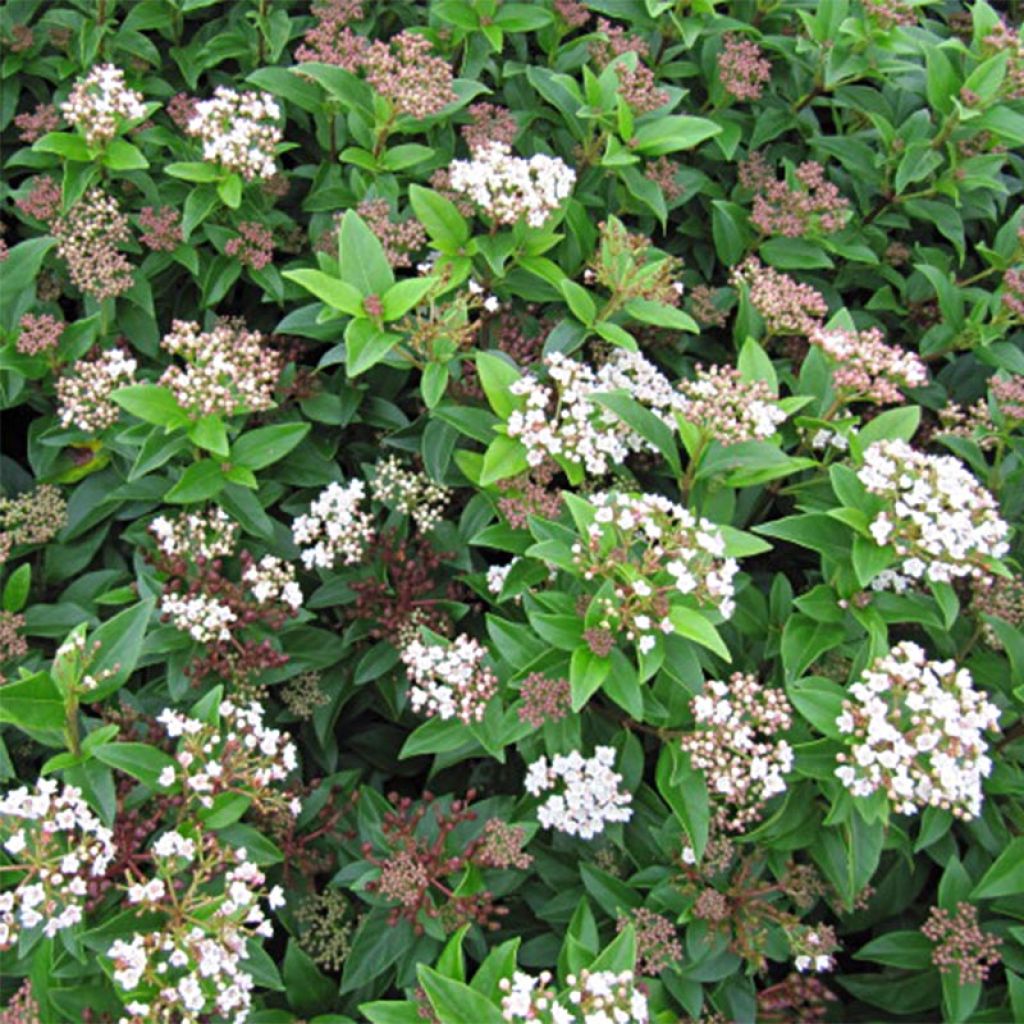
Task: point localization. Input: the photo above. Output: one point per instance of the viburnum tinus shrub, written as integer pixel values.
(511, 511)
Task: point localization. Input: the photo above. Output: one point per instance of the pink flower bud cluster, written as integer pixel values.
(866, 369)
(34, 517)
(960, 944)
(412, 494)
(916, 731)
(253, 246)
(941, 522)
(336, 527)
(181, 108)
(43, 201)
(1013, 291)
(564, 421)
(593, 997)
(87, 239)
(330, 40)
(100, 103)
(400, 240)
(449, 681)
(1001, 597)
(657, 943)
(12, 643)
(58, 844)
(736, 748)
(637, 83)
(807, 204)
(890, 13)
(787, 306)
(84, 393)
(729, 409)
(228, 370)
(573, 13)
(544, 699)
(239, 754)
(38, 334)
(508, 187)
(489, 123)
(239, 131)
(35, 125)
(161, 230)
(405, 73)
(589, 796)
(663, 172)
(1004, 39)
(743, 69)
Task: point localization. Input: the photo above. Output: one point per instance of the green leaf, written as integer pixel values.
(33, 703)
(892, 425)
(259, 448)
(366, 345)
(795, 254)
(210, 434)
(694, 626)
(505, 457)
(18, 279)
(579, 300)
(646, 424)
(230, 191)
(65, 144)
(497, 375)
(403, 295)
(648, 311)
(123, 156)
(309, 990)
(455, 1002)
(729, 231)
(376, 945)
(673, 133)
(820, 701)
(1004, 878)
(685, 790)
(908, 950)
(329, 290)
(17, 587)
(433, 385)
(361, 258)
(804, 641)
(755, 364)
(199, 172)
(400, 157)
(522, 17)
(447, 227)
(120, 642)
(153, 404)
(587, 671)
(200, 482)
(139, 760)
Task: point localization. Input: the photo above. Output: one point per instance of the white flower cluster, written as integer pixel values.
(204, 618)
(98, 102)
(592, 997)
(564, 420)
(508, 187)
(917, 730)
(240, 755)
(273, 579)
(590, 798)
(188, 972)
(497, 575)
(941, 522)
(193, 535)
(57, 842)
(449, 681)
(735, 749)
(659, 550)
(239, 131)
(410, 493)
(84, 395)
(336, 527)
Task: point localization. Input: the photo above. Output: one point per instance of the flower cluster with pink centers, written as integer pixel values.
(960, 944)
(787, 306)
(939, 520)
(736, 748)
(564, 421)
(239, 131)
(592, 997)
(728, 408)
(336, 528)
(101, 102)
(228, 369)
(160, 227)
(916, 731)
(507, 188)
(84, 394)
(793, 208)
(449, 680)
(38, 334)
(57, 843)
(866, 368)
(36, 124)
(238, 754)
(43, 200)
(408, 75)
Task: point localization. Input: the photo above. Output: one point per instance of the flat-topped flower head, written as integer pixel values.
(588, 796)
(84, 394)
(728, 408)
(866, 369)
(941, 522)
(99, 104)
(336, 528)
(916, 730)
(239, 131)
(449, 681)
